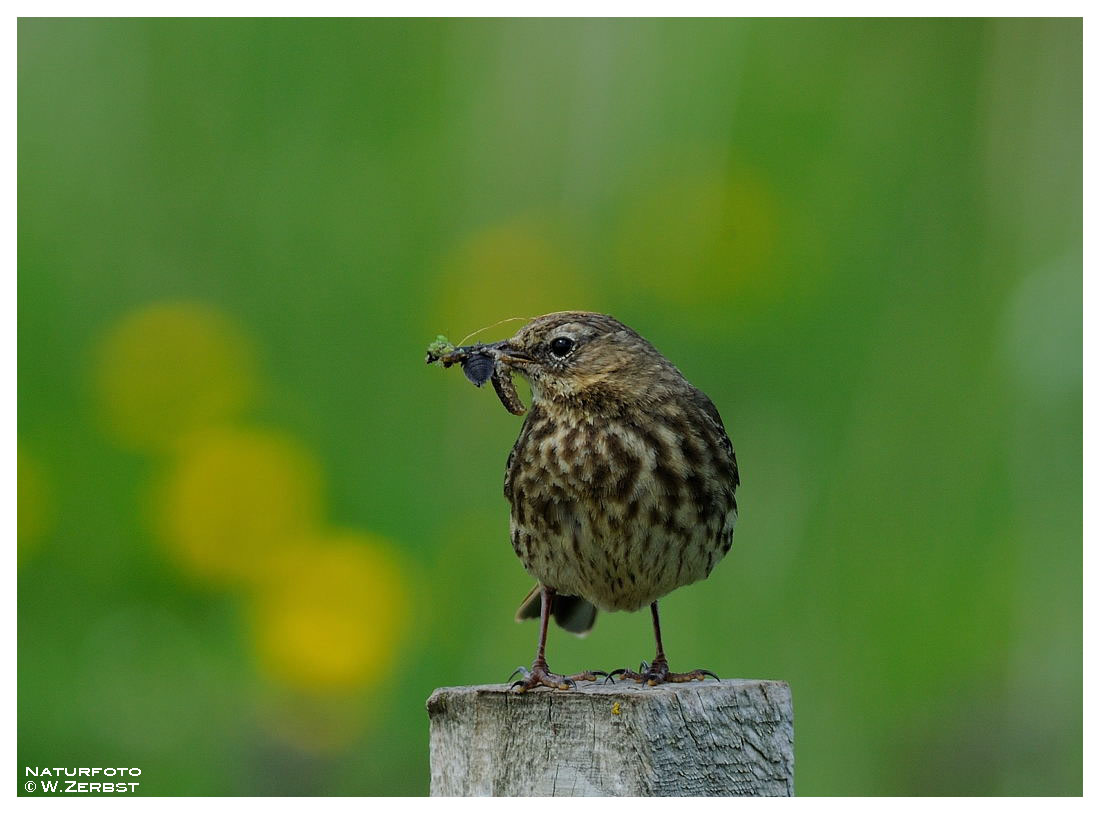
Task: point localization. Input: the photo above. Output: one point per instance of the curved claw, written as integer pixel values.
(658, 673)
(539, 675)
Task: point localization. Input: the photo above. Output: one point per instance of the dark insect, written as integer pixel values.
(479, 364)
(479, 368)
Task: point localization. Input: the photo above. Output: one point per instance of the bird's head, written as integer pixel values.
(573, 356)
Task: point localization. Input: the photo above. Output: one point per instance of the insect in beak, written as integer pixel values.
(481, 363)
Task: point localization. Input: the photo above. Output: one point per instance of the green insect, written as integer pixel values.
(439, 348)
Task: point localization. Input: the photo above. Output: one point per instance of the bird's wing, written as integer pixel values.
(706, 406)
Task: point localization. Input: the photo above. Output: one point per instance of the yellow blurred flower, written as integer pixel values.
(35, 510)
(169, 369)
(511, 269)
(233, 498)
(333, 613)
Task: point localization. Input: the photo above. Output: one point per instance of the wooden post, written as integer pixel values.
(698, 739)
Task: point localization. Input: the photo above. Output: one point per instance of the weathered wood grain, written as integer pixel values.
(699, 739)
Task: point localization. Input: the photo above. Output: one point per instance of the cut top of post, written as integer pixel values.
(696, 739)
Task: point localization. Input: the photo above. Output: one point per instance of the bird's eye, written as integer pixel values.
(560, 346)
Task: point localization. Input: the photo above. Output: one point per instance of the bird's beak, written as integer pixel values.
(510, 354)
(503, 351)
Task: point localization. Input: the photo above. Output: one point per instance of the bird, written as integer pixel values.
(622, 482)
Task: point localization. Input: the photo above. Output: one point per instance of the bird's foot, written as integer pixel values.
(658, 673)
(540, 675)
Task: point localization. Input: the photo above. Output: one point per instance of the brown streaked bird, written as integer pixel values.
(621, 482)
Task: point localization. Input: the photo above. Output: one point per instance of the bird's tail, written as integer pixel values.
(570, 612)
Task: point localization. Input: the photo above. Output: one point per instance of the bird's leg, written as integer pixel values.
(658, 672)
(540, 674)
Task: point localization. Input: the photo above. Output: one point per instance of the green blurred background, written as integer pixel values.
(255, 530)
